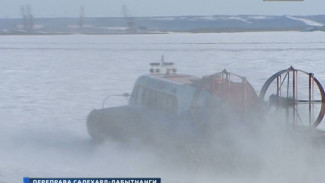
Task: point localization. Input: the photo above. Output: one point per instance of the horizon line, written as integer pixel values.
(169, 16)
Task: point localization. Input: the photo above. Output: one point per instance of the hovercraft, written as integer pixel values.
(167, 102)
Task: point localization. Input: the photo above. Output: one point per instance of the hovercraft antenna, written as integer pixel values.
(168, 67)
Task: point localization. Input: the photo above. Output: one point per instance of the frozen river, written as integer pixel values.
(49, 84)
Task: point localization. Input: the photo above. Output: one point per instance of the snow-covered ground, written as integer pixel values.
(307, 21)
(49, 84)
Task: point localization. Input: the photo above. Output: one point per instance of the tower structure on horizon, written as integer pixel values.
(28, 19)
(81, 17)
(129, 20)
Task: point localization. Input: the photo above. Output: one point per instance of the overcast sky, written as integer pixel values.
(105, 8)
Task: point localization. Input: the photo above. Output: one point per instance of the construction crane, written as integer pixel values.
(81, 18)
(28, 19)
(128, 18)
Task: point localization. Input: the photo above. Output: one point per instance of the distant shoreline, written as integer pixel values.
(160, 25)
(58, 34)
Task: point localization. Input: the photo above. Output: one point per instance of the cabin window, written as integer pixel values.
(156, 100)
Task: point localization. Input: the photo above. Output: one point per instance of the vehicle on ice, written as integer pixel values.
(179, 104)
